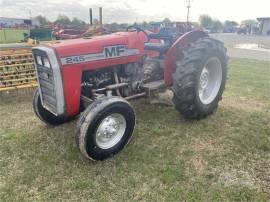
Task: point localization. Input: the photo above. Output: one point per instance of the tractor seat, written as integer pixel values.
(162, 48)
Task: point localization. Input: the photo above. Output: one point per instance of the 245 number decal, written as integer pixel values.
(75, 59)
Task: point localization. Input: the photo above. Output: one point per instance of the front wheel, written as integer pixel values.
(199, 79)
(105, 127)
(43, 114)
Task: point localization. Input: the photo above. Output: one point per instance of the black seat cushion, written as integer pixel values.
(156, 47)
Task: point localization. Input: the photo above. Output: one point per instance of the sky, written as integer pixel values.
(129, 11)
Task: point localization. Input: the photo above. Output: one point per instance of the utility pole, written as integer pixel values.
(30, 14)
(30, 17)
(188, 8)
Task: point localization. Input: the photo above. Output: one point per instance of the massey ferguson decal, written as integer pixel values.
(108, 52)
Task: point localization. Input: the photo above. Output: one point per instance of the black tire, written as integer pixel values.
(92, 117)
(43, 114)
(187, 76)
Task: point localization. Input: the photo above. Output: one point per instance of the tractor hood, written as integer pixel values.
(99, 47)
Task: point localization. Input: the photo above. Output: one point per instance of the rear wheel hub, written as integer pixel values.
(210, 80)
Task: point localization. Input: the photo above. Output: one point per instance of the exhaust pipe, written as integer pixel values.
(100, 15)
(91, 16)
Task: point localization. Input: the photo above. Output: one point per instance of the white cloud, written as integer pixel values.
(142, 10)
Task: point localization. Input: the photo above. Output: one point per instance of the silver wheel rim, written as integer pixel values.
(110, 131)
(210, 80)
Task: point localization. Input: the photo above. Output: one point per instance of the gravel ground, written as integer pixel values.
(231, 40)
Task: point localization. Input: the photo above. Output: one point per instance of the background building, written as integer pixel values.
(17, 23)
(264, 25)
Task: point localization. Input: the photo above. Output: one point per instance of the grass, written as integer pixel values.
(225, 157)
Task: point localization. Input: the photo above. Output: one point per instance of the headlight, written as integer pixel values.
(39, 60)
(46, 62)
(43, 61)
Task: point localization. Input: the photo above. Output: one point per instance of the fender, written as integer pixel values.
(176, 51)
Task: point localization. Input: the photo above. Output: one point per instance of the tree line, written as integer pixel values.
(61, 19)
(217, 26)
(205, 21)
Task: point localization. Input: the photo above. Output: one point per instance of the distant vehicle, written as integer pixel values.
(68, 33)
(243, 29)
(253, 29)
(230, 30)
(173, 27)
(207, 30)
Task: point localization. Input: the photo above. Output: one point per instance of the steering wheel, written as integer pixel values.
(138, 29)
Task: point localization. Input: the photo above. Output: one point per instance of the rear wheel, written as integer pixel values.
(105, 127)
(199, 79)
(43, 114)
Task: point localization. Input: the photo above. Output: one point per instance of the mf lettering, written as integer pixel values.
(114, 51)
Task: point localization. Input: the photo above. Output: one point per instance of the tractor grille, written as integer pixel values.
(46, 81)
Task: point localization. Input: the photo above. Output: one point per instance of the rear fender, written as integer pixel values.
(176, 51)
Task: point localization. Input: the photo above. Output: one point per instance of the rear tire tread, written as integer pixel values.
(187, 70)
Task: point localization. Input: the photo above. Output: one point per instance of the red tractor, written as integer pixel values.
(98, 76)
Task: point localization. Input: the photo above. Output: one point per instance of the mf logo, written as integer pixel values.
(114, 51)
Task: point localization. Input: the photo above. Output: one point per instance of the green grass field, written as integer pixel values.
(225, 157)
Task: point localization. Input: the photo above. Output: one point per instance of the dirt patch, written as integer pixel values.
(198, 162)
(231, 177)
(200, 146)
(243, 103)
(253, 46)
(164, 98)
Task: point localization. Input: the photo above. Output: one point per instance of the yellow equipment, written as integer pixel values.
(16, 69)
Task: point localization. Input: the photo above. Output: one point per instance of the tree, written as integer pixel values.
(63, 19)
(166, 21)
(205, 21)
(42, 20)
(195, 24)
(144, 24)
(229, 26)
(217, 26)
(229, 23)
(77, 22)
